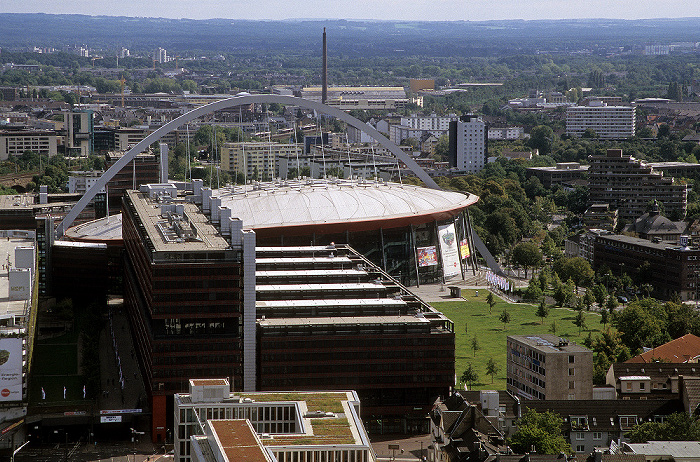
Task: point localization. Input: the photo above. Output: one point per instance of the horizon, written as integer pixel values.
(363, 10)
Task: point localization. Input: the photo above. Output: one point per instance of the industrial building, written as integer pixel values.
(215, 423)
(363, 98)
(548, 367)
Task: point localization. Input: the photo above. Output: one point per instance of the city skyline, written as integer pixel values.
(412, 10)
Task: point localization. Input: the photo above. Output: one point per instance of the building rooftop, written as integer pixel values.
(322, 202)
(8, 243)
(549, 343)
(174, 234)
(681, 350)
(102, 229)
(675, 449)
(353, 321)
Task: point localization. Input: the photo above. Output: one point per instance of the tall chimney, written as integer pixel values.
(324, 72)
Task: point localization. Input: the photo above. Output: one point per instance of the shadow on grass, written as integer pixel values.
(533, 323)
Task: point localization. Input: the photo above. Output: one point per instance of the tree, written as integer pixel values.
(504, 318)
(576, 269)
(542, 139)
(678, 426)
(491, 368)
(491, 300)
(642, 323)
(580, 321)
(541, 431)
(611, 304)
(527, 254)
(553, 328)
(475, 344)
(469, 376)
(600, 294)
(604, 318)
(588, 299)
(542, 311)
(533, 291)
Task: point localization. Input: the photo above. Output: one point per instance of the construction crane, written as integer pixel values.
(122, 80)
(93, 60)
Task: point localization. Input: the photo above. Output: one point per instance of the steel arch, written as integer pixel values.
(224, 104)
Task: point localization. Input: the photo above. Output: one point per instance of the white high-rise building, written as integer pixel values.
(607, 122)
(161, 55)
(468, 144)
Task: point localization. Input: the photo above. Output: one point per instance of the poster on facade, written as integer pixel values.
(10, 369)
(449, 251)
(427, 256)
(464, 249)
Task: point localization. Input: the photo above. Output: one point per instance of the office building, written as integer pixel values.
(215, 423)
(79, 132)
(18, 312)
(468, 144)
(143, 169)
(363, 98)
(606, 122)
(184, 295)
(671, 267)
(629, 185)
(14, 143)
(548, 367)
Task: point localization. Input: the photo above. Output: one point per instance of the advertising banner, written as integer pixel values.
(464, 249)
(427, 256)
(449, 251)
(110, 419)
(10, 369)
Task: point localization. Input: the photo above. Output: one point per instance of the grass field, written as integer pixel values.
(473, 312)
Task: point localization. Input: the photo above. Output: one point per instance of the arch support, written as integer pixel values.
(225, 104)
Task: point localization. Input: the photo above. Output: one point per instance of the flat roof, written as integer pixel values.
(238, 440)
(549, 343)
(104, 229)
(10, 308)
(149, 211)
(208, 382)
(355, 320)
(318, 287)
(334, 303)
(325, 202)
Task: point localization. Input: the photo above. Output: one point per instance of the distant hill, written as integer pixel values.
(348, 38)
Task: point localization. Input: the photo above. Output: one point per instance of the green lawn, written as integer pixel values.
(473, 312)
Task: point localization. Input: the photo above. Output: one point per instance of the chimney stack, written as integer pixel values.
(324, 72)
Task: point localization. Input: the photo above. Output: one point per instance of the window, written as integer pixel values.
(580, 448)
(571, 359)
(572, 384)
(580, 436)
(629, 386)
(572, 371)
(597, 435)
(641, 385)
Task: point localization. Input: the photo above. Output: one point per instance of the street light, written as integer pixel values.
(12, 459)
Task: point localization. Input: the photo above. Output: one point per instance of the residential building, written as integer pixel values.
(645, 381)
(652, 451)
(460, 432)
(16, 142)
(591, 424)
(600, 216)
(629, 185)
(226, 425)
(563, 172)
(670, 268)
(548, 367)
(606, 122)
(468, 144)
(506, 133)
(80, 182)
(161, 55)
(258, 161)
(676, 169)
(431, 122)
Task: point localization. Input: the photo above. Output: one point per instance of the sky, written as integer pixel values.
(416, 10)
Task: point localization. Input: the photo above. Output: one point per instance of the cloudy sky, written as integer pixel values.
(474, 10)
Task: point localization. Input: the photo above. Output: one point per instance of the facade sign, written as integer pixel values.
(110, 419)
(464, 249)
(449, 251)
(427, 256)
(10, 369)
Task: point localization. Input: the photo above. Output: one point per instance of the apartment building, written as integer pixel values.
(629, 185)
(258, 161)
(607, 122)
(468, 144)
(562, 172)
(548, 367)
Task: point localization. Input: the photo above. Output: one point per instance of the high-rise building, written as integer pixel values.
(606, 122)
(161, 55)
(548, 367)
(629, 185)
(468, 144)
(80, 132)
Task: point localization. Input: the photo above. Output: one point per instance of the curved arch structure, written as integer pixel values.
(232, 102)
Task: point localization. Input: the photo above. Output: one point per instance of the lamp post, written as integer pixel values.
(12, 459)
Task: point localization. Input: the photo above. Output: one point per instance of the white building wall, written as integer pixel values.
(471, 145)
